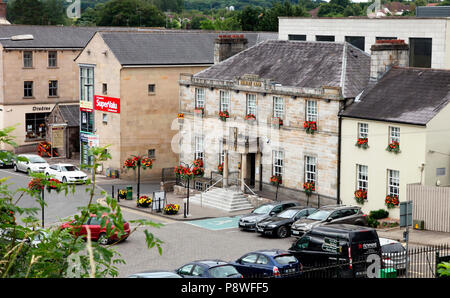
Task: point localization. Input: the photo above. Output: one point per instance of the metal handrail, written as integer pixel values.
(201, 194)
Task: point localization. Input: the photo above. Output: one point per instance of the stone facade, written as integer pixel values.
(243, 138)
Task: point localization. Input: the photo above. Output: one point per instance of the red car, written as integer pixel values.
(97, 233)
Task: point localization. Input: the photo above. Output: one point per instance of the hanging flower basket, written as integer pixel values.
(220, 168)
(394, 147)
(276, 180)
(198, 172)
(309, 188)
(198, 162)
(310, 126)
(53, 183)
(180, 116)
(360, 196)
(144, 202)
(224, 115)
(391, 201)
(36, 184)
(131, 162)
(171, 209)
(362, 143)
(146, 163)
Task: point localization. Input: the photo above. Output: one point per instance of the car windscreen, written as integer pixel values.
(69, 168)
(285, 259)
(392, 248)
(319, 215)
(36, 159)
(288, 213)
(223, 271)
(263, 209)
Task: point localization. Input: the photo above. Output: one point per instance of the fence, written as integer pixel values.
(422, 263)
(432, 205)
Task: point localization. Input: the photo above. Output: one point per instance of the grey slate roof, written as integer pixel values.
(299, 64)
(71, 114)
(404, 95)
(169, 48)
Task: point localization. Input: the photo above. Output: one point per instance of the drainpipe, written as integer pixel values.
(339, 161)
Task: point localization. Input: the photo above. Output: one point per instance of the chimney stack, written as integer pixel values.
(226, 46)
(385, 54)
(2, 10)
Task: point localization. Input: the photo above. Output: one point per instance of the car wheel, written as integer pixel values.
(282, 232)
(102, 239)
(64, 180)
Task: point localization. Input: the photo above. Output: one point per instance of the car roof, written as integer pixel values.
(272, 252)
(385, 241)
(299, 207)
(155, 273)
(210, 263)
(63, 164)
(26, 155)
(337, 207)
(342, 228)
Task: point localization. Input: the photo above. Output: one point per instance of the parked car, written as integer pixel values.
(280, 224)
(34, 163)
(98, 233)
(66, 173)
(37, 238)
(331, 214)
(155, 274)
(248, 221)
(208, 269)
(268, 263)
(6, 160)
(329, 245)
(393, 255)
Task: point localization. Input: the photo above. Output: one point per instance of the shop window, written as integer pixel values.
(35, 125)
(87, 121)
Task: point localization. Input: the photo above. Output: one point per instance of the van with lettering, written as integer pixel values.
(344, 249)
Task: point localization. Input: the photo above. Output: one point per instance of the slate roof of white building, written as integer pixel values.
(299, 64)
(404, 95)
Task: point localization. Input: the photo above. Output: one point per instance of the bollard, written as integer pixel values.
(112, 192)
(184, 209)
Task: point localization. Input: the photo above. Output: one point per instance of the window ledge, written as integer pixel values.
(29, 97)
(53, 96)
(28, 68)
(52, 67)
(34, 140)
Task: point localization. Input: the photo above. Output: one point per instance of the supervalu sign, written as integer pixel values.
(107, 104)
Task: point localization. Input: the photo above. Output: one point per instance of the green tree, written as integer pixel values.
(130, 13)
(249, 18)
(54, 12)
(196, 22)
(28, 12)
(59, 249)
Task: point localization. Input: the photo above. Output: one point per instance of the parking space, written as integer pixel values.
(215, 224)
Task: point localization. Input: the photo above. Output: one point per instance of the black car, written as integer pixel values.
(248, 221)
(155, 274)
(208, 269)
(280, 224)
(329, 245)
(6, 158)
(268, 263)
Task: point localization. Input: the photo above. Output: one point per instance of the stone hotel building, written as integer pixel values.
(282, 84)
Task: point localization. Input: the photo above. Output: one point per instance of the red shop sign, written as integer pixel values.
(107, 104)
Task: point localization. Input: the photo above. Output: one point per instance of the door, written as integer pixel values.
(246, 265)
(252, 165)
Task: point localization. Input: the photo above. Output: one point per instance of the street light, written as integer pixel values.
(18, 37)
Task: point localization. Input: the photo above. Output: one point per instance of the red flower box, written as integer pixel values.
(310, 126)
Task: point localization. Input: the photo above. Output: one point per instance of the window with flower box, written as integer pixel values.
(363, 130)
(199, 98)
(277, 163)
(311, 110)
(393, 182)
(363, 177)
(310, 169)
(251, 104)
(394, 134)
(225, 101)
(198, 147)
(278, 107)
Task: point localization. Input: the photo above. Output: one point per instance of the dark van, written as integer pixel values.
(343, 244)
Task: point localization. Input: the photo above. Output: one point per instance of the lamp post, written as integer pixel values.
(139, 162)
(188, 172)
(18, 37)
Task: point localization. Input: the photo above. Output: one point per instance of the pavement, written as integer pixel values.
(419, 237)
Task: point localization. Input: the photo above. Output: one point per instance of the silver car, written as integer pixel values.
(393, 254)
(34, 164)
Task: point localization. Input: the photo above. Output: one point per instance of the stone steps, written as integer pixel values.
(224, 199)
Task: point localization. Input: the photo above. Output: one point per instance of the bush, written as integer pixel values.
(372, 222)
(379, 214)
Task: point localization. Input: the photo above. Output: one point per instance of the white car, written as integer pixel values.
(66, 173)
(394, 254)
(35, 164)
